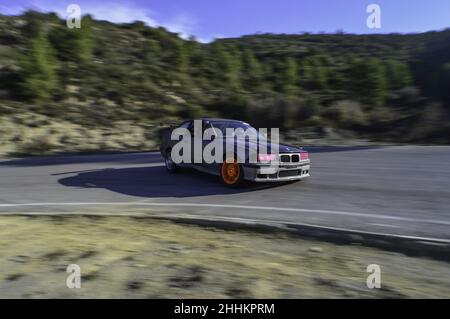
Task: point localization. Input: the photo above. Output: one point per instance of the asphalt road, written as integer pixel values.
(401, 190)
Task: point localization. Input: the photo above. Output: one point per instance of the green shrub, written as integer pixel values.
(346, 114)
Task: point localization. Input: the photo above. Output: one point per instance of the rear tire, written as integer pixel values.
(170, 165)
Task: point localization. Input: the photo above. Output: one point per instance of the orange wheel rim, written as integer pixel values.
(230, 172)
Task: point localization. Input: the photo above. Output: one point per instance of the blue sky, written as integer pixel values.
(208, 19)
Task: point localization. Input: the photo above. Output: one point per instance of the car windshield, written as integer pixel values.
(228, 129)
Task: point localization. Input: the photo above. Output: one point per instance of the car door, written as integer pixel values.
(205, 126)
(197, 139)
(185, 125)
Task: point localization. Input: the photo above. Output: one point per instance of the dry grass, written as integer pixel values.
(124, 257)
(36, 134)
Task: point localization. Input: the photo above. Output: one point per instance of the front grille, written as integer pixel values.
(285, 158)
(288, 173)
(293, 158)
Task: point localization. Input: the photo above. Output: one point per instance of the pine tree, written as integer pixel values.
(34, 24)
(180, 58)
(39, 69)
(228, 66)
(398, 74)
(289, 77)
(320, 77)
(369, 83)
(253, 72)
(75, 45)
(376, 82)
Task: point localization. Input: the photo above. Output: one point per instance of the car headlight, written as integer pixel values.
(265, 158)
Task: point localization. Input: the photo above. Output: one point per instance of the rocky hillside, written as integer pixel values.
(381, 87)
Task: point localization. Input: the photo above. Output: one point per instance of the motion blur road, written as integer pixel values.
(403, 190)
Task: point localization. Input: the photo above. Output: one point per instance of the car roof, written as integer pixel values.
(220, 120)
(211, 119)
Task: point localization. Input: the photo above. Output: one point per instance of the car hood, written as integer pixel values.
(285, 148)
(282, 148)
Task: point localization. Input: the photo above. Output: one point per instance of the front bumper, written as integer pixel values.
(279, 172)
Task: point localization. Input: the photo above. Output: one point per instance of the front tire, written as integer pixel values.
(168, 161)
(231, 173)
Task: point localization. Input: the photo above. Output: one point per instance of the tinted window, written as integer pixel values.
(249, 130)
(222, 126)
(185, 124)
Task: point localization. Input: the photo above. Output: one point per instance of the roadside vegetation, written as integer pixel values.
(126, 257)
(36, 134)
(114, 79)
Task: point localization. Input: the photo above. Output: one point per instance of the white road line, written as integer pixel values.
(386, 225)
(233, 219)
(239, 219)
(266, 208)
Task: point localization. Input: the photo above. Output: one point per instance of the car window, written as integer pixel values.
(191, 127)
(222, 126)
(207, 125)
(185, 124)
(250, 131)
